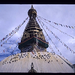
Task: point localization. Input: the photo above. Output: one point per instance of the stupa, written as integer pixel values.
(34, 58)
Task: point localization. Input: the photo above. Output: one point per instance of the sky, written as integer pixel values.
(12, 15)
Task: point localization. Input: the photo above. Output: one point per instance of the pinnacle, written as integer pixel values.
(32, 7)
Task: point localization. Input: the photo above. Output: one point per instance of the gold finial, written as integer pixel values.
(32, 7)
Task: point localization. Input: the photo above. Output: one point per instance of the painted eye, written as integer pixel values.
(40, 34)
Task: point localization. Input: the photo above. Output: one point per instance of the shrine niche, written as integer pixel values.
(32, 70)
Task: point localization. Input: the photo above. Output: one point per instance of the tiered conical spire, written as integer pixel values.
(33, 35)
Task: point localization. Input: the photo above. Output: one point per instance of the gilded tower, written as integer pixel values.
(33, 36)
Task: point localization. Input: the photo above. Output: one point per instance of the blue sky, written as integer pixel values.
(12, 15)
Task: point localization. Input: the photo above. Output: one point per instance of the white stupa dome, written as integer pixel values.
(42, 61)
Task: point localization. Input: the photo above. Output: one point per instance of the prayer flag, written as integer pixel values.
(10, 47)
(60, 24)
(3, 50)
(69, 27)
(3, 38)
(66, 26)
(16, 28)
(64, 44)
(3, 42)
(12, 30)
(26, 18)
(6, 36)
(44, 19)
(9, 33)
(49, 21)
(55, 23)
(24, 21)
(73, 52)
(32, 52)
(72, 27)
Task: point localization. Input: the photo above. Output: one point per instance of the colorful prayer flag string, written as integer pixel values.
(11, 46)
(13, 31)
(58, 38)
(61, 42)
(58, 23)
(61, 31)
(51, 48)
(48, 36)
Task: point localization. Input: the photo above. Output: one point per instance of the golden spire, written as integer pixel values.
(32, 33)
(32, 7)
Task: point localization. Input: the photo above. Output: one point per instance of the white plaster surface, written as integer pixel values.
(16, 64)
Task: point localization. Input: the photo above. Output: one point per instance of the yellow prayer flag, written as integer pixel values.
(10, 47)
(9, 33)
(72, 27)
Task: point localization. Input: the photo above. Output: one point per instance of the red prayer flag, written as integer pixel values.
(66, 26)
(3, 50)
(32, 52)
(13, 30)
(3, 38)
(55, 23)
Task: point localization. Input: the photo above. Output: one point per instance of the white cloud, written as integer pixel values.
(71, 41)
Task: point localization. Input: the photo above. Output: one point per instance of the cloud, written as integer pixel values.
(71, 41)
(4, 55)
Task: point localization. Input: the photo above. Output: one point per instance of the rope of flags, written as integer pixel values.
(59, 40)
(12, 45)
(60, 30)
(6, 40)
(58, 23)
(13, 31)
(51, 48)
(10, 35)
(48, 36)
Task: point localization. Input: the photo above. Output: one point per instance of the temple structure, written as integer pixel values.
(34, 57)
(33, 35)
